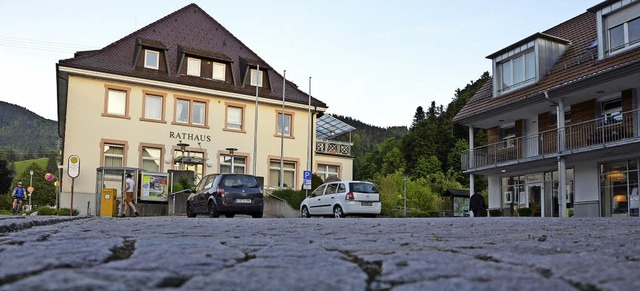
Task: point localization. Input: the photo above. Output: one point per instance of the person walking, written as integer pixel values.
(476, 203)
(18, 194)
(128, 199)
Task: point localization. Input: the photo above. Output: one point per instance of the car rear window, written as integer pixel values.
(363, 187)
(240, 181)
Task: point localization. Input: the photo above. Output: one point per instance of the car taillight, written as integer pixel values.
(220, 191)
(350, 196)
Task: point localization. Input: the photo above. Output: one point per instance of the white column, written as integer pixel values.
(562, 172)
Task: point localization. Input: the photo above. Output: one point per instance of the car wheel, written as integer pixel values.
(190, 212)
(304, 213)
(337, 212)
(229, 215)
(213, 211)
(257, 215)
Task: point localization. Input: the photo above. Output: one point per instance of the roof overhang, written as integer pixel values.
(528, 39)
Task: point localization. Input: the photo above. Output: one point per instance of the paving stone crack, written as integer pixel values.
(122, 252)
(372, 269)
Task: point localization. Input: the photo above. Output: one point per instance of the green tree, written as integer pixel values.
(418, 116)
(393, 161)
(426, 166)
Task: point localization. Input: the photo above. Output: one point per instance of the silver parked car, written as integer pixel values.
(342, 198)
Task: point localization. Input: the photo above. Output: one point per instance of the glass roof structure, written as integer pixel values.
(328, 127)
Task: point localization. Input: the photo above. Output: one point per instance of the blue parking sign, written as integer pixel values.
(307, 175)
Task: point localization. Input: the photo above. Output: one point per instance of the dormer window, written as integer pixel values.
(256, 78)
(618, 26)
(151, 59)
(524, 63)
(218, 71)
(624, 35)
(517, 71)
(193, 67)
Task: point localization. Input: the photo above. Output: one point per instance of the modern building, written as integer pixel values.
(183, 93)
(561, 117)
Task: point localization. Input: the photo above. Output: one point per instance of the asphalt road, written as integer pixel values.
(87, 253)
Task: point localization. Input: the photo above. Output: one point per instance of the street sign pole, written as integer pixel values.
(74, 171)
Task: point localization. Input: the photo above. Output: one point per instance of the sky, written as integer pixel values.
(372, 60)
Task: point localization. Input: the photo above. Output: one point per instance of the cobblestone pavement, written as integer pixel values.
(242, 253)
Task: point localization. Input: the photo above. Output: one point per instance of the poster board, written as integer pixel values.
(154, 187)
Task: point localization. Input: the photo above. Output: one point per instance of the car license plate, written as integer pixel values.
(243, 200)
(366, 203)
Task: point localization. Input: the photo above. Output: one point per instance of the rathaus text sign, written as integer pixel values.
(189, 136)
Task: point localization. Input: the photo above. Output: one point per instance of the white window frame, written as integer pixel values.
(287, 130)
(114, 98)
(253, 74)
(193, 66)
(188, 108)
(233, 164)
(147, 54)
(157, 160)
(626, 42)
(324, 173)
(234, 126)
(191, 112)
(202, 114)
(511, 61)
(221, 69)
(150, 105)
(274, 172)
(106, 155)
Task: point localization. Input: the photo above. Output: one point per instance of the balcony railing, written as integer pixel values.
(333, 147)
(616, 128)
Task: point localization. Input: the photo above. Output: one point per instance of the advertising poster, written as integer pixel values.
(154, 187)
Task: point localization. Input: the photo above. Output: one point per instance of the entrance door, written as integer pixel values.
(535, 199)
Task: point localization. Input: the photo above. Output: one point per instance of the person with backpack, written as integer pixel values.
(19, 193)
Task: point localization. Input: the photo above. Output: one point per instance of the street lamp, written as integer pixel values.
(30, 187)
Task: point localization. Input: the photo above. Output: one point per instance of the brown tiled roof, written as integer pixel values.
(206, 54)
(579, 62)
(192, 29)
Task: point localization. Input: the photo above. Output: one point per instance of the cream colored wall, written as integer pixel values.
(86, 127)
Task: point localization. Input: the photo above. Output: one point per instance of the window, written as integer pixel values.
(238, 164)
(553, 117)
(153, 107)
(191, 112)
(508, 136)
(517, 71)
(151, 159)
(284, 125)
(189, 160)
(289, 179)
(624, 35)
(219, 71)
(611, 111)
(325, 171)
(151, 59)
(235, 117)
(193, 67)
(116, 102)
(113, 155)
(256, 78)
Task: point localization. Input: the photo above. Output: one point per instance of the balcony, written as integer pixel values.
(333, 147)
(580, 137)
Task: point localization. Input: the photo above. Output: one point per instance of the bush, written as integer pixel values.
(524, 211)
(46, 210)
(569, 212)
(495, 212)
(293, 198)
(65, 212)
(6, 202)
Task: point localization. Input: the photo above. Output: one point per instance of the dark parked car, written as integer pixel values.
(227, 194)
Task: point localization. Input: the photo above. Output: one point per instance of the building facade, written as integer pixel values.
(183, 93)
(561, 117)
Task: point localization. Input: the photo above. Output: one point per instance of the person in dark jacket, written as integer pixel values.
(476, 204)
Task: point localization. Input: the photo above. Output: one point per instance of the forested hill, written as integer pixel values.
(367, 137)
(24, 132)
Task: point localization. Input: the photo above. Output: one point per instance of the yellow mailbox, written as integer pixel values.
(108, 206)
